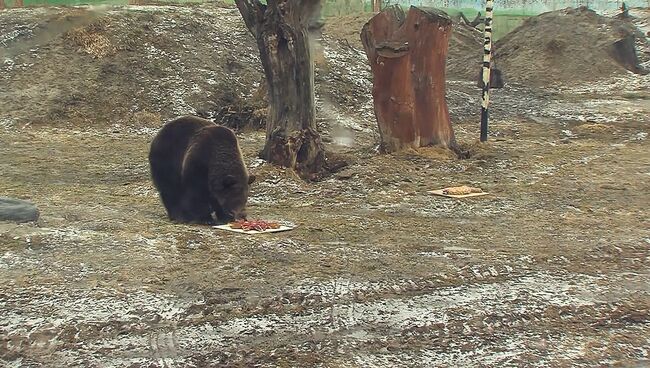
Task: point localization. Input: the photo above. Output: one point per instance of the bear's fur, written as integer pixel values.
(197, 168)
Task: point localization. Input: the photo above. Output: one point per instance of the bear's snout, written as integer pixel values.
(239, 215)
(230, 216)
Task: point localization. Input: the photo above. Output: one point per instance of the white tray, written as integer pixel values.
(440, 193)
(228, 228)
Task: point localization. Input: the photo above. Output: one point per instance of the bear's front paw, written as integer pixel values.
(211, 222)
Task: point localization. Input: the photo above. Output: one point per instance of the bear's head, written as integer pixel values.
(232, 196)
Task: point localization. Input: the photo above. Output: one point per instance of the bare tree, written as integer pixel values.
(281, 29)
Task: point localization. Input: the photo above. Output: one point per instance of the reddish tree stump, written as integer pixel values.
(407, 57)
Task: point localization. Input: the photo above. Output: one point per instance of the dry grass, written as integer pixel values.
(91, 40)
(433, 153)
(147, 118)
(594, 128)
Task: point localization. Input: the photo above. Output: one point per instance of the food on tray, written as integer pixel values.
(254, 225)
(461, 190)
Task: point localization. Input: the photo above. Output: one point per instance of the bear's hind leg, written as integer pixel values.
(173, 206)
(168, 184)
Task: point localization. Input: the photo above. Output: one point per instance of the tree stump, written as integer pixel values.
(624, 52)
(496, 78)
(407, 58)
(281, 29)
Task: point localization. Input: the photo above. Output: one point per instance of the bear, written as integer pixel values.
(197, 168)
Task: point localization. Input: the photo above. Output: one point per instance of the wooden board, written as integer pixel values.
(253, 232)
(440, 193)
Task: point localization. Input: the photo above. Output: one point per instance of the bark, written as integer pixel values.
(281, 30)
(407, 57)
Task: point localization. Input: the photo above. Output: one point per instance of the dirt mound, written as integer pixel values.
(138, 65)
(566, 46)
(465, 52)
(347, 27)
(114, 65)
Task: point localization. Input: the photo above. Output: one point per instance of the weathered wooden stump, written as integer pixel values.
(407, 57)
(624, 52)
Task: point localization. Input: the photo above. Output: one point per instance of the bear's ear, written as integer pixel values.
(251, 179)
(229, 181)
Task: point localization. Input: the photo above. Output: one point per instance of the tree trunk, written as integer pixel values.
(281, 31)
(407, 57)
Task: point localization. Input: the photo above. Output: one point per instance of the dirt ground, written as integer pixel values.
(549, 270)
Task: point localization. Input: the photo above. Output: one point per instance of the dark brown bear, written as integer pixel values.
(197, 168)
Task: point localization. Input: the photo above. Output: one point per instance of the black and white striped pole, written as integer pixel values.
(487, 53)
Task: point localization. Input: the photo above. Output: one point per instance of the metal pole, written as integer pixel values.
(487, 53)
